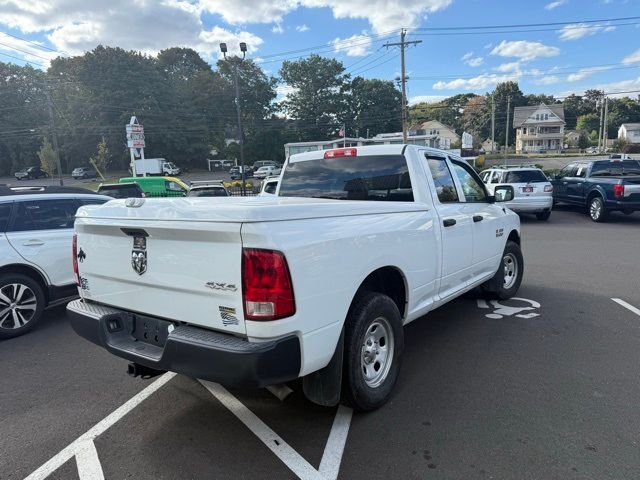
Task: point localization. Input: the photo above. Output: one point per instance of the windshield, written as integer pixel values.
(526, 176)
(374, 177)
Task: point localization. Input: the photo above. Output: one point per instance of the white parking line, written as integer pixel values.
(79, 446)
(627, 306)
(88, 463)
(331, 458)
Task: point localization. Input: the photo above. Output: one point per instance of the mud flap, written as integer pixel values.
(324, 386)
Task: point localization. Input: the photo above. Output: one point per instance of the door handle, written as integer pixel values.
(449, 222)
(33, 243)
(478, 218)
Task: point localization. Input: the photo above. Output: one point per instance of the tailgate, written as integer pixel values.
(189, 272)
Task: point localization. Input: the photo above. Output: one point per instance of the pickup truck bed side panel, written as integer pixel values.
(330, 257)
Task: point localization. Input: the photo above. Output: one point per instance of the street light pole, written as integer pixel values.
(243, 49)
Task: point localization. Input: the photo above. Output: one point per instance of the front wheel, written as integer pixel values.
(21, 305)
(507, 279)
(374, 342)
(597, 210)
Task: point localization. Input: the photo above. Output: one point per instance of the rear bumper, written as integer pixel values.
(623, 205)
(531, 204)
(191, 351)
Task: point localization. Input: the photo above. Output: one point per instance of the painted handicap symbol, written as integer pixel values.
(500, 310)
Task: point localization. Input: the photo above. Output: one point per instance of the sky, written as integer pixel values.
(458, 53)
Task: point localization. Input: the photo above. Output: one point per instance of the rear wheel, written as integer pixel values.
(374, 342)
(597, 210)
(21, 304)
(543, 216)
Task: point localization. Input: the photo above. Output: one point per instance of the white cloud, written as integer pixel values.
(508, 67)
(354, 46)
(631, 84)
(302, 28)
(481, 82)
(585, 73)
(633, 58)
(553, 5)
(547, 80)
(383, 15)
(524, 50)
(277, 28)
(426, 99)
(575, 31)
(472, 61)
(26, 50)
(75, 26)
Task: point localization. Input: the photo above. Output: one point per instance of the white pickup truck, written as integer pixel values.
(315, 282)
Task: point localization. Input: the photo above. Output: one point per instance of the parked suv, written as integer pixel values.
(30, 173)
(36, 231)
(533, 192)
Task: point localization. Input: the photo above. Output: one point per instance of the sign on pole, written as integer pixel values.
(467, 140)
(135, 142)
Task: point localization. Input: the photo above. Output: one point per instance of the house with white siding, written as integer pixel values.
(539, 128)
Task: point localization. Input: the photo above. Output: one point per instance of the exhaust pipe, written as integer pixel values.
(137, 370)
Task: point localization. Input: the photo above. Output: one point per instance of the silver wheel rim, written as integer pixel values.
(510, 265)
(377, 352)
(595, 209)
(18, 305)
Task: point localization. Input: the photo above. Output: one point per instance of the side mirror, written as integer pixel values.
(503, 193)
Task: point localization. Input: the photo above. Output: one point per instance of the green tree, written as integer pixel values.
(476, 118)
(448, 111)
(47, 157)
(534, 99)
(583, 140)
(588, 122)
(373, 107)
(501, 94)
(101, 159)
(317, 101)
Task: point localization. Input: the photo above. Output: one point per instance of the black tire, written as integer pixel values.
(379, 313)
(27, 317)
(498, 287)
(597, 211)
(543, 216)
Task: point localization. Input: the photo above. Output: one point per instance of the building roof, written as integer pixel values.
(439, 122)
(522, 114)
(630, 126)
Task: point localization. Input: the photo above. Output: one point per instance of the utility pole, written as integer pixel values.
(54, 134)
(506, 132)
(600, 125)
(493, 124)
(234, 65)
(403, 78)
(605, 133)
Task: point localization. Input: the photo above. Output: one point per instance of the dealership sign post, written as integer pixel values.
(135, 142)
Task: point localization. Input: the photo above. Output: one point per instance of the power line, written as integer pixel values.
(524, 25)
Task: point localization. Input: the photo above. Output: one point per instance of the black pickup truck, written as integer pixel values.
(601, 186)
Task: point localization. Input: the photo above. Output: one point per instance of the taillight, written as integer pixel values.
(266, 285)
(74, 253)
(341, 152)
(548, 188)
(618, 191)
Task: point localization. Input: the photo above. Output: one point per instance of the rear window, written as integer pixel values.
(371, 177)
(608, 169)
(121, 191)
(208, 192)
(526, 176)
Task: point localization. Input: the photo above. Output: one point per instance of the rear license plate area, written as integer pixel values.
(150, 330)
(527, 189)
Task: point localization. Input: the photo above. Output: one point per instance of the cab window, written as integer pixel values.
(567, 171)
(496, 177)
(445, 186)
(472, 189)
(5, 210)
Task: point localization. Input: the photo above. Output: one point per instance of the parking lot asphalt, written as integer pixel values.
(540, 387)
